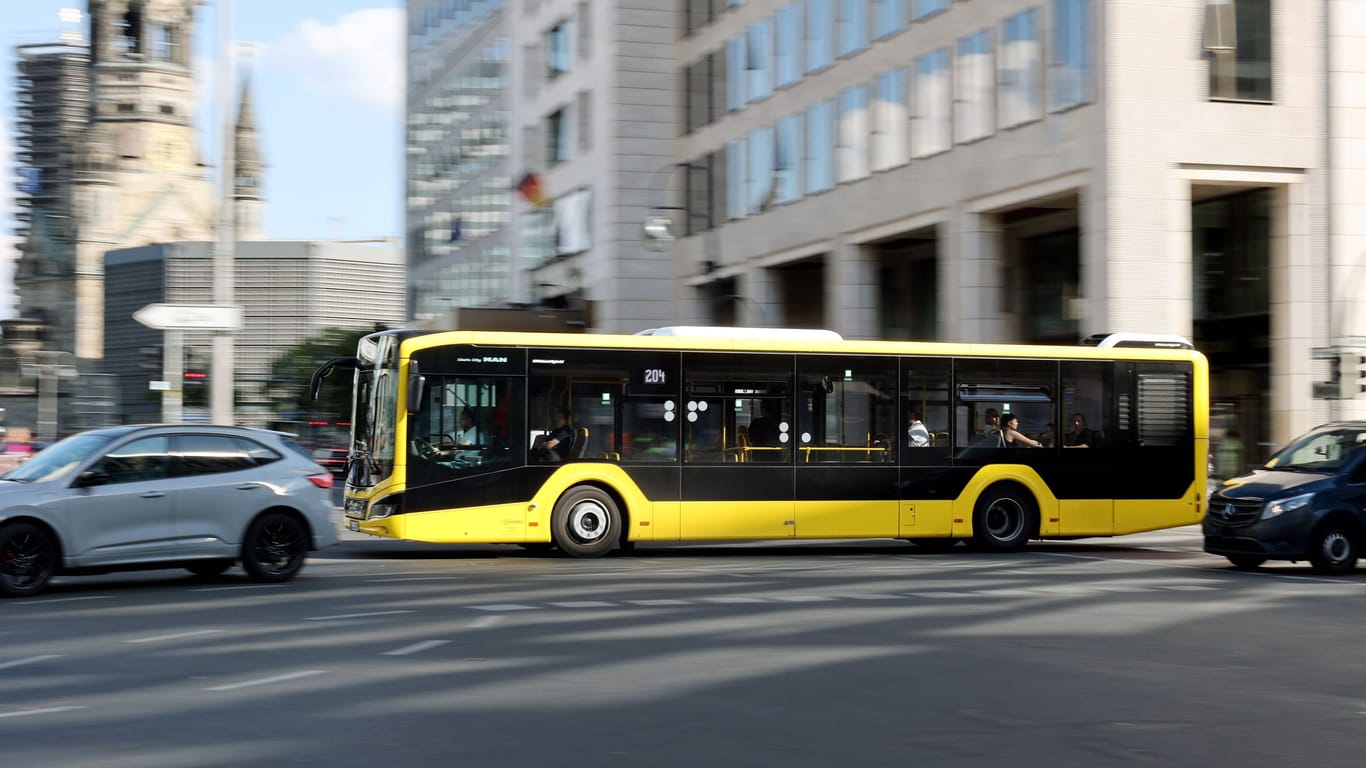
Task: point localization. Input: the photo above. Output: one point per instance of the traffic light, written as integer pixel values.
(1350, 375)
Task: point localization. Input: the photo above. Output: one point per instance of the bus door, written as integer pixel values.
(738, 440)
(1090, 440)
(846, 447)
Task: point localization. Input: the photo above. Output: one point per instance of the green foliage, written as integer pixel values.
(292, 370)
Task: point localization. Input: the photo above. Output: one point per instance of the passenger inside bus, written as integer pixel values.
(555, 445)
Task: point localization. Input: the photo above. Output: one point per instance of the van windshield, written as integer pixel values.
(1320, 451)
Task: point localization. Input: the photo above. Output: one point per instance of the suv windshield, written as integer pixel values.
(1321, 451)
(59, 459)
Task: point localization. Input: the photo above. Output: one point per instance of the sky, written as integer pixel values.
(327, 79)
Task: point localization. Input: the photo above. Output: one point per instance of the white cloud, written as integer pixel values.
(361, 57)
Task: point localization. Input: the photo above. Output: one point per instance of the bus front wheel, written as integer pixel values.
(586, 522)
(1003, 520)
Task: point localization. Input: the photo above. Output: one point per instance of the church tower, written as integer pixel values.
(136, 177)
(247, 167)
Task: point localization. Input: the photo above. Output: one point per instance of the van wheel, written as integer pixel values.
(1003, 520)
(1246, 562)
(274, 547)
(586, 522)
(28, 559)
(1333, 549)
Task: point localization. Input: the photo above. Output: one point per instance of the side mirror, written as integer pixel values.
(91, 478)
(417, 385)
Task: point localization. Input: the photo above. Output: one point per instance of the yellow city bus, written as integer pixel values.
(696, 434)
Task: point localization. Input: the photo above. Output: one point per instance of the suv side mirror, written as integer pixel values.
(92, 477)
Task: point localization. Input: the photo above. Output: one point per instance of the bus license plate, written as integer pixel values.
(353, 525)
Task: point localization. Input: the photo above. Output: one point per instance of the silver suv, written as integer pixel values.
(174, 496)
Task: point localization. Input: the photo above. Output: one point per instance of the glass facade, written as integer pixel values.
(820, 31)
(853, 26)
(820, 146)
(973, 88)
(891, 121)
(853, 133)
(459, 186)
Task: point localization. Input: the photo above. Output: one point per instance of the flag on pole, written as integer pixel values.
(531, 191)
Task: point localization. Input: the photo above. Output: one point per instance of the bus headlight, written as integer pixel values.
(1280, 507)
(383, 509)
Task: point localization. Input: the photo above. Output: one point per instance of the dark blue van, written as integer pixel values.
(1308, 502)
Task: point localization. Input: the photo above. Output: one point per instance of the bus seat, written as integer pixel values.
(580, 443)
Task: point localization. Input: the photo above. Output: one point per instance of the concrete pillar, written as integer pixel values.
(973, 265)
(1293, 289)
(851, 290)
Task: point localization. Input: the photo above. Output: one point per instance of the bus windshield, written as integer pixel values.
(374, 415)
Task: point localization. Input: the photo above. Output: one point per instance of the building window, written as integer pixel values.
(585, 24)
(760, 62)
(891, 121)
(931, 132)
(853, 133)
(820, 146)
(559, 50)
(699, 98)
(820, 41)
(1021, 60)
(853, 26)
(559, 131)
(973, 88)
(163, 44)
(699, 14)
(889, 17)
(788, 167)
(736, 70)
(1240, 63)
(789, 47)
(1071, 53)
(762, 189)
(735, 179)
(923, 9)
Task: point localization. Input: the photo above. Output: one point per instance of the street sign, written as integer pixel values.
(159, 386)
(190, 317)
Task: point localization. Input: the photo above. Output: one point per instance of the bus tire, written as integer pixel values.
(1003, 520)
(586, 522)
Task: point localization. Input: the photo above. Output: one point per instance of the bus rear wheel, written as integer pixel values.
(586, 522)
(1003, 520)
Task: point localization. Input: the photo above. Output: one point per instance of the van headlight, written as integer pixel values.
(1281, 506)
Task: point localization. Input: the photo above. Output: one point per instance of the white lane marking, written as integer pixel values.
(267, 680)
(354, 615)
(415, 578)
(504, 607)
(63, 600)
(1121, 588)
(725, 599)
(425, 645)
(873, 596)
(584, 604)
(243, 586)
(176, 636)
(670, 601)
(803, 598)
(1187, 587)
(29, 660)
(43, 711)
(485, 621)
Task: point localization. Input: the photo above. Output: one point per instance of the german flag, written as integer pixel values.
(531, 190)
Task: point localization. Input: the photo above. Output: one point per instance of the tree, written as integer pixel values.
(291, 372)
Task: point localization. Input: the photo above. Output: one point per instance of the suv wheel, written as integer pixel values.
(28, 558)
(274, 547)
